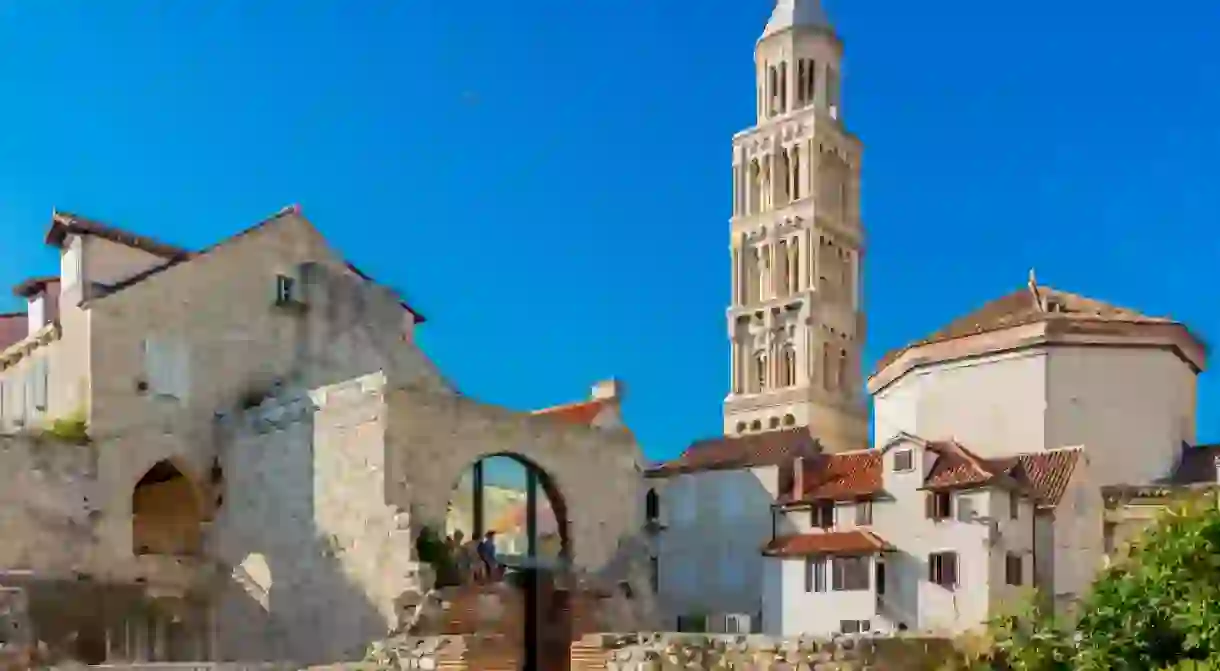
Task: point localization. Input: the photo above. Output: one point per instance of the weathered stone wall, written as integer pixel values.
(48, 504)
(664, 651)
(317, 556)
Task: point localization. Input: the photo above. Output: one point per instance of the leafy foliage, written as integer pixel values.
(1158, 609)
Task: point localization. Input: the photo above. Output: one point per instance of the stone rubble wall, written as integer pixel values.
(667, 651)
(49, 504)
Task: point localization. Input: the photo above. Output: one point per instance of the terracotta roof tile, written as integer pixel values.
(853, 542)
(841, 476)
(1019, 308)
(580, 412)
(13, 328)
(768, 448)
(1197, 465)
(1049, 473)
(33, 286)
(1044, 474)
(955, 466)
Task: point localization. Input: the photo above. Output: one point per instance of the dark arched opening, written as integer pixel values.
(652, 506)
(513, 497)
(166, 513)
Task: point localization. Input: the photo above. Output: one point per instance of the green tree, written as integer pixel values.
(1157, 609)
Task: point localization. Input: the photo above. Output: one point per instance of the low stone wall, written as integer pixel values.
(666, 651)
(757, 653)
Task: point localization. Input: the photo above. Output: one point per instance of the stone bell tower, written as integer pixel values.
(796, 321)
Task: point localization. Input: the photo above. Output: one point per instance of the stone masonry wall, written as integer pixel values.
(48, 504)
(667, 651)
(317, 558)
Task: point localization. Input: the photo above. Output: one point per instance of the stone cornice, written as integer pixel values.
(1048, 333)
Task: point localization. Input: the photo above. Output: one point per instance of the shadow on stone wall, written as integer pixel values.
(289, 594)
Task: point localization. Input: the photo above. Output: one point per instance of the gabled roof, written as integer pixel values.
(840, 477)
(64, 224)
(1027, 306)
(1045, 475)
(855, 542)
(849, 476)
(767, 448)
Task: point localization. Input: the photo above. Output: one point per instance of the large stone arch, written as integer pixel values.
(431, 438)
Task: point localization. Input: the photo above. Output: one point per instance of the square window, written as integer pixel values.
(904, 460)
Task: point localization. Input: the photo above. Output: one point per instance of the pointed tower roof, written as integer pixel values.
(795, 14)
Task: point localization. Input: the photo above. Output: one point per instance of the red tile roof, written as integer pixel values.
(13, 328)
(855, 542)
(955, 466)
(1050, 472)
(840, 477)
(768, 448)
(580, 412)
(1044, 474)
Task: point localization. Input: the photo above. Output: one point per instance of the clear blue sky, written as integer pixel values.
(549, 181)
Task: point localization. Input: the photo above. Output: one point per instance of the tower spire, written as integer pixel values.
(796, 14)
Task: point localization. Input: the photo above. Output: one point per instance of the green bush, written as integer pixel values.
(1158, 609)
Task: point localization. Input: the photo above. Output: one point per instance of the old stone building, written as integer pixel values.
(245, 443)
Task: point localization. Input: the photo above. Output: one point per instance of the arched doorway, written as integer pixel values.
(166, 513)
(518, 504)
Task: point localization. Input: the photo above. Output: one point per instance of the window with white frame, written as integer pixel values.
(942, 569)
(849, 574)
(815, 574)
(1014, 505)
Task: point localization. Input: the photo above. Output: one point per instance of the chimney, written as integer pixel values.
(608, 390)
(798, 478)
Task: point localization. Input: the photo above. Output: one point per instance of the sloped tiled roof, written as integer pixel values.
(1049, 472)
(841, 476)
(855, 542)
(580, 412)
(1043, 474)
(955, 466)
(64, 224)
(1019, 308)
(744, 451)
